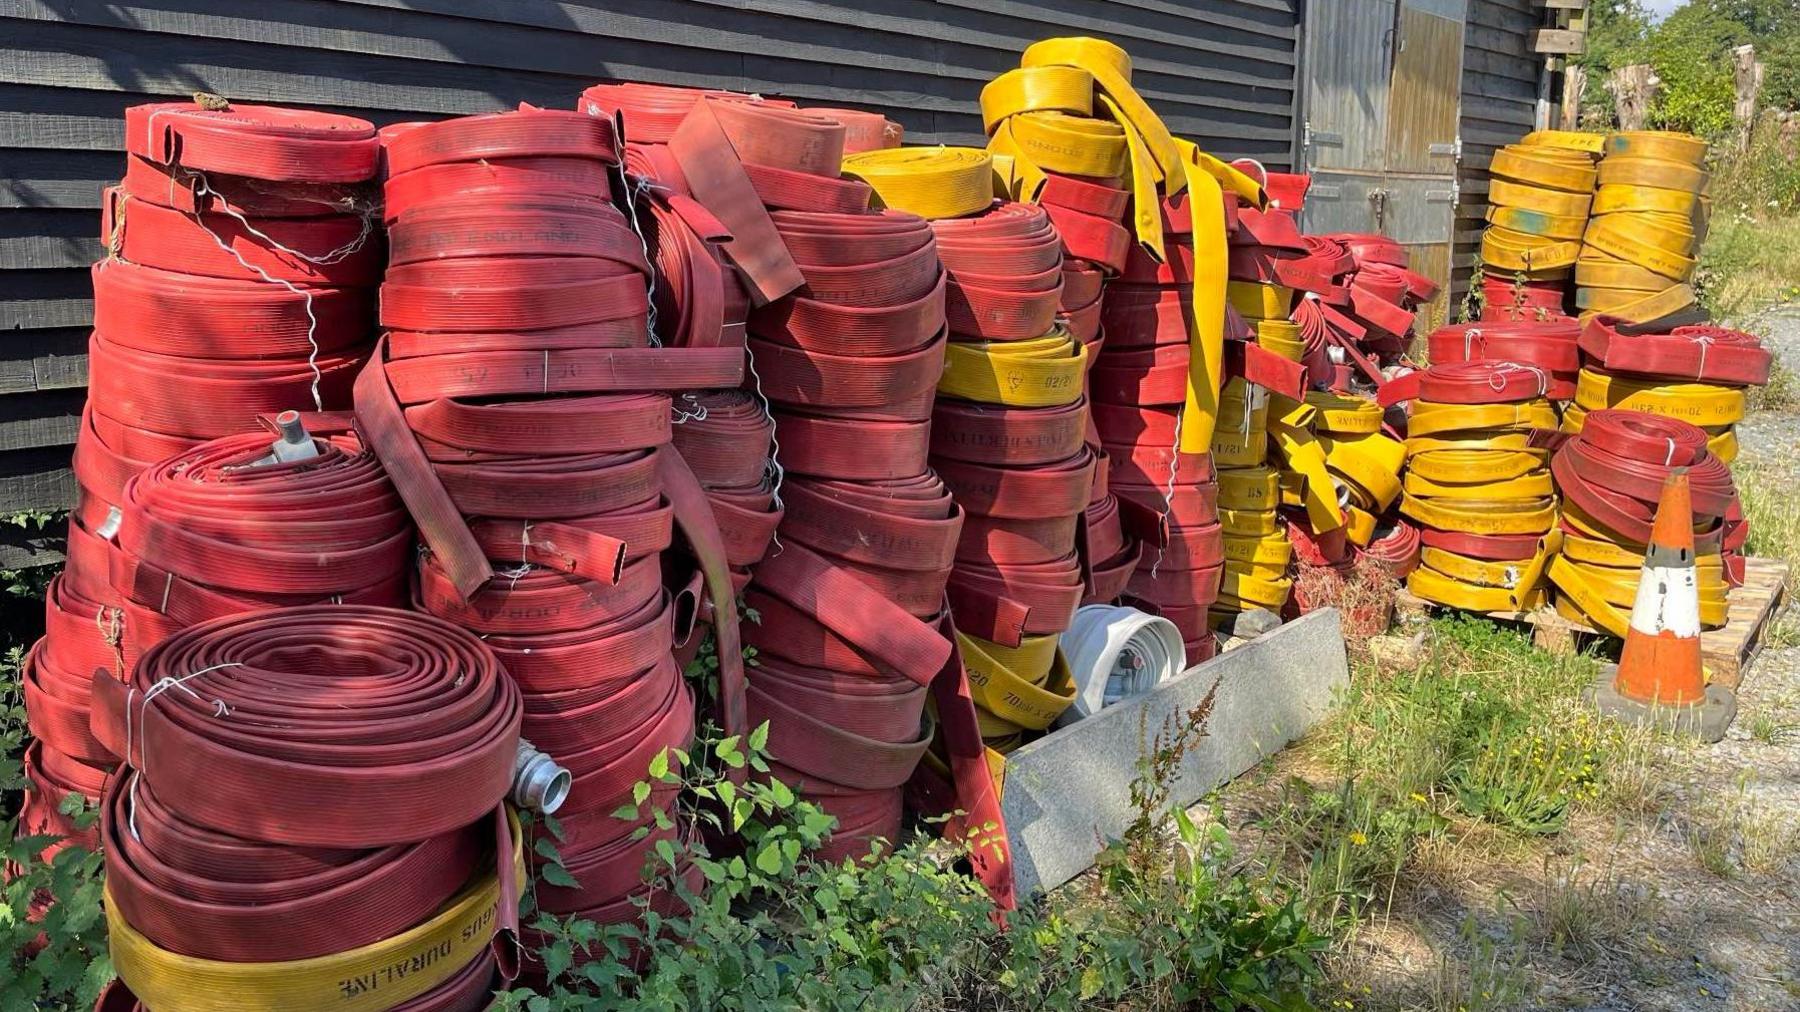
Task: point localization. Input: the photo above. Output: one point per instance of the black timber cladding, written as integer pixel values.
(1499, 106)
(1220, 72)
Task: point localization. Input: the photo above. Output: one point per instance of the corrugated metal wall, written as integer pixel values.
(1499, 105)
(1219, 71)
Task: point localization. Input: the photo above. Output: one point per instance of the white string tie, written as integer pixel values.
(163, 685)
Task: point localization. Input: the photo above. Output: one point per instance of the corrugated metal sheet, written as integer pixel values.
(1499, 105)
(1219, 71)
(1381, 104)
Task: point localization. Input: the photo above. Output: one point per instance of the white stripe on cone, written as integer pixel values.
(1668, 599)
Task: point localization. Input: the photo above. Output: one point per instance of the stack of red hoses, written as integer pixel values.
(243, 251)
(1548, 344)
(242, 254)
(699, 301)
(308, 781)
(216, 530)
(1168, 499)
(1026, 490)
(849, 363)
(1089, 215)
(517, 371)
(1384, 294)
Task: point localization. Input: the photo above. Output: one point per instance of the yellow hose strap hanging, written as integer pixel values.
(1259, 550)
(1538, 223)
(1249, 488)
(1255, 301)
(431, 953)
(930, 182)
(1041, 372)
(1615, 170)
(1506, 193)
(1111, 69)
(1664, 145)
(1549, 168)
(1206, 301)
(1477, 516)
(1247, 523)
(1573, 140)
(1702, 404)
(1027, 686)
(1297, 447)
(1230, 177)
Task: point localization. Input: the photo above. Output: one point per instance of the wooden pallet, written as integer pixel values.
(1727, 652)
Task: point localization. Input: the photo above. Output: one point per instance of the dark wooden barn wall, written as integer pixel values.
(1220, 72)
(1499, 106)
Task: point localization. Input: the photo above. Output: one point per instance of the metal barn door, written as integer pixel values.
(1383, 99)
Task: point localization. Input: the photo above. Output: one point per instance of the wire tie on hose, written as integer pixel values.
(634, 193)
(546, 371)
(168, 585)
(1469, 337)
(312, 321)
(1169, 493)
(775, 471)
(162, 685)
(1669, 458)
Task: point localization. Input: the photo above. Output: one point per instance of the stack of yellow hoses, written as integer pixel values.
(1539, 195)
(1649, 218)
(1069, 114)
(1256, 550)
(1713, 407)
(1364, 463)
(1479, 489)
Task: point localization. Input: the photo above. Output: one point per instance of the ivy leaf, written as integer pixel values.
(659, 764)
(640, 792)
(768, 859)
(759, 738)
(558, 876)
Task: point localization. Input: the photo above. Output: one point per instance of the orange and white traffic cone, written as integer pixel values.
(1659, 678)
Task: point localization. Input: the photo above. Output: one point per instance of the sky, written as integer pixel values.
(1661, 8)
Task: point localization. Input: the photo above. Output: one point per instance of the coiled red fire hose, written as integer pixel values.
(1703, 354)
(296, 726)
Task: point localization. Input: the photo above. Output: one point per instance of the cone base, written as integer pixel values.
(1706, 720)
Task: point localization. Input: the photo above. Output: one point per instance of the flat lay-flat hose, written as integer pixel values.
(1473, 479)
(1650, 216)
